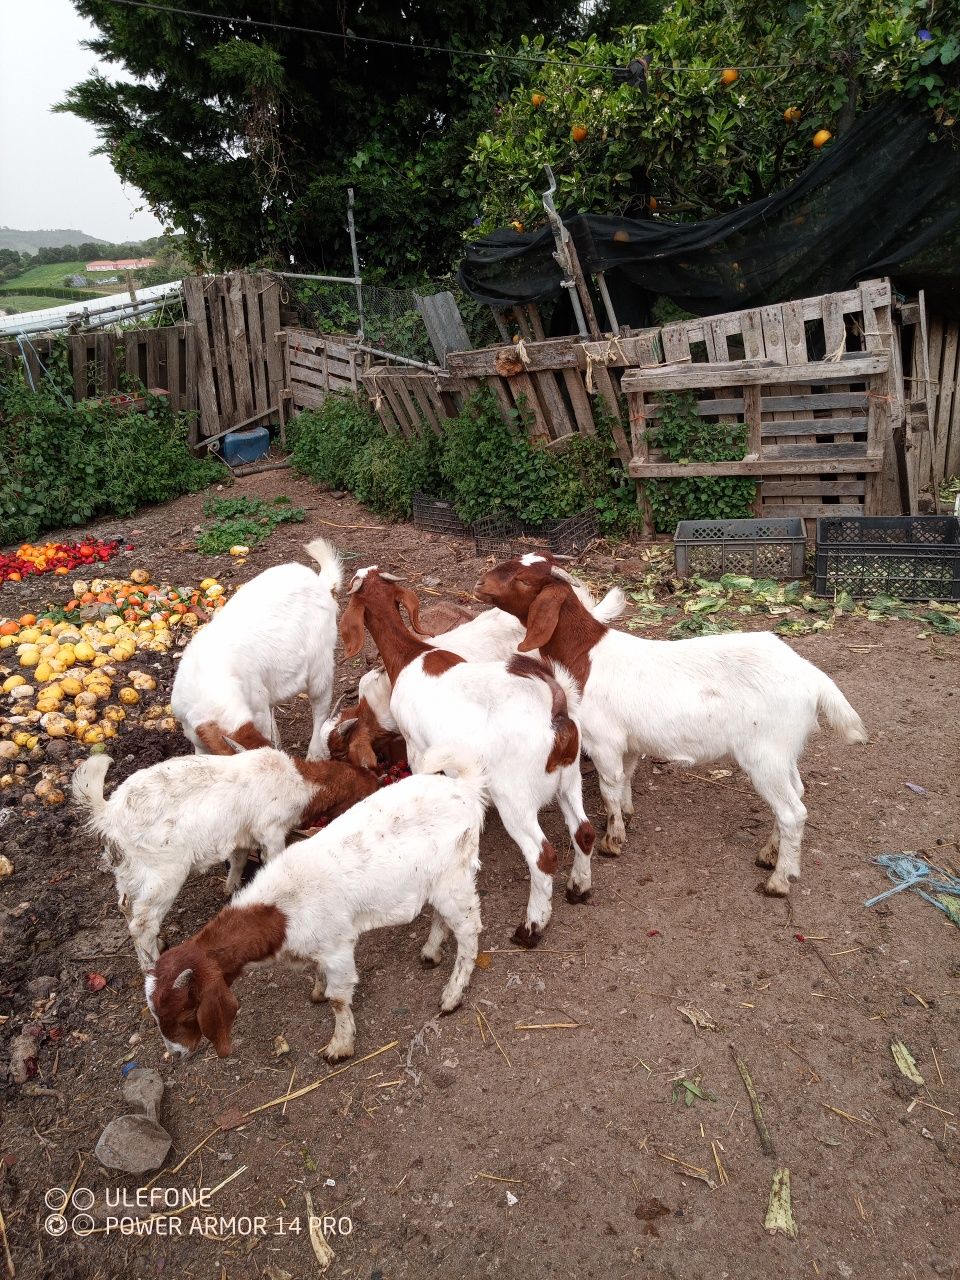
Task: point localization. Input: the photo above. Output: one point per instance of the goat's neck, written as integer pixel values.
(397, 646)
(576, 632)
(239, 936)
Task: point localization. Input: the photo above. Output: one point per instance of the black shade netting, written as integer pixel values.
(883, 201)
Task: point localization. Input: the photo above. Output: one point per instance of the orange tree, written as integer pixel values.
(739, 99)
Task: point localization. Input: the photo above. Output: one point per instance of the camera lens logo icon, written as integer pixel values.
(58, 1200)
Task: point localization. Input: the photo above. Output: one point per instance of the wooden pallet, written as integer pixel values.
(240, 376)
(318, 364)
(796, 441)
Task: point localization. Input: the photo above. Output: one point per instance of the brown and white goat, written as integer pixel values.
(748, 696)
(517, 716)
(191, 812)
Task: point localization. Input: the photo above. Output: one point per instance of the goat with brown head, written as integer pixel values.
(374, 605)
(535, 589)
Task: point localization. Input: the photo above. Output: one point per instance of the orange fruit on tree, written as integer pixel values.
(538, 99)
(792, 115)
(579, 132)
(729, 75)
(821, 138)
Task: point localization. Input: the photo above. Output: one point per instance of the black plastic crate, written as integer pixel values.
(755, 548)
(436, 515)
(494, 535)
(909, 557)
(571, 536)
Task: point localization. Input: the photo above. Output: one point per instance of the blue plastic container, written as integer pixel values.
(245, 446)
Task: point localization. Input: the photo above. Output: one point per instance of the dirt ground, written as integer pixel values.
(537, 1131)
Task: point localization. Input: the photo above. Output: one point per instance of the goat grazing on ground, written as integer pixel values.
(362, 732)
(748, 696)
(515, 715)
(191, 812)
(413, 843)
(272, 640)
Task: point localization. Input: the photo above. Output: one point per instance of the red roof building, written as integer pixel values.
(121, 264)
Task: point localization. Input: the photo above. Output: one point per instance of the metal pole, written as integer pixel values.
(386, 355)
(300, 275)
(356, 260)
(560, 234)
(605, 295)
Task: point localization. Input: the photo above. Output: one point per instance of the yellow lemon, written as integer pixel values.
(129, 696)
(84, 652)
(71, 686)
(43, 672)
(29, 635)
(29, 655)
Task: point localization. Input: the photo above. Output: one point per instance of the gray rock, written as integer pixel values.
(23, 1058)
(41, 986)
(135, 1144)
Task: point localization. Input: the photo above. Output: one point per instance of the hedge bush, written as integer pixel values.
(64, 463)
(483, 462)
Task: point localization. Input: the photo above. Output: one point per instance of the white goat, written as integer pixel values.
(272, 640)
(493, 636)
(191, 812)
(414, 843)
(515, 715)
(748, 696)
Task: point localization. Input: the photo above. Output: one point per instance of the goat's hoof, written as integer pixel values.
(775, 888)
(429, 960)
(337, 1052)
(766, 858)
(527, 935)
(317, 995)
(609, 848)
(576, 895)
(450, 1004)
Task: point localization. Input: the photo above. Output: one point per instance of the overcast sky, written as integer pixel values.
(48, 178)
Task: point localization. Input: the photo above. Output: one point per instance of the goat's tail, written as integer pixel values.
(328, 558)
(461, 764)
(838, 712)
(564, 700)
(610, 607)
(87, 784)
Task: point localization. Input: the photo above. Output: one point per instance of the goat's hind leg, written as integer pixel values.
(432, 949)
(341, 974)
(780, 786)
(610, 775)
(582, 834)
(459, 906)
(541, 859)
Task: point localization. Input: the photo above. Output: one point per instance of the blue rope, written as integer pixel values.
(909, 872)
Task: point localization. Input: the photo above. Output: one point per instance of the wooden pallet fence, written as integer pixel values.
(318, 364)
(101, 363)
(407, 400)
(933, 404)
(562, 383)
(791, 429)
(240, 373)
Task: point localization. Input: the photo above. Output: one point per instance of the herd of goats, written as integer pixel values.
(495, 710)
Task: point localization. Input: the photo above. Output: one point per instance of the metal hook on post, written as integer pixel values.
(569, 264)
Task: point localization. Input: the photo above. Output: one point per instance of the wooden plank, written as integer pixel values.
(259, 340)
(794, 334)
(816, 427)
(174, 383)
(498, 386)
(156, 348)
(705, 408)
(269, 293)
(190, 370)
(850, 487)
(580, 401)
(220, 334)
(676, 343)
(947, 377)
(536, 323)
(107, 363)
(239, 344)
(556, 353)
(607, 391)
(131, 356)
(554, 406)
(443, 322)
(752, 331)
(834, 329)
(878, 337)
(751, 418)
(819, 449)
(524, 392)
(716, 340)
(951, 465)
(420, 395)
(307, 397)
(816, 401)
(206, 390)
(771, 320)
(756, 467)
(389, 392)
(814, 510)
(694, 377)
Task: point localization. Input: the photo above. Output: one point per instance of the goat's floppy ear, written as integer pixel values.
(216, 1012)
(542, 617)
(351, 627)
(410, 602)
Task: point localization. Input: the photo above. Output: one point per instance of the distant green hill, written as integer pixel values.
(31, 241)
